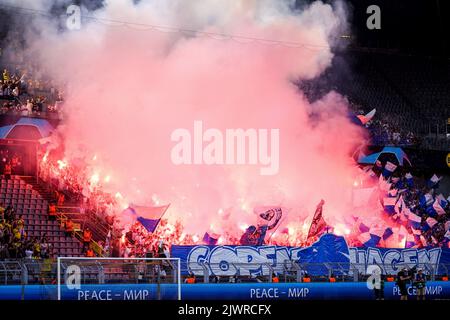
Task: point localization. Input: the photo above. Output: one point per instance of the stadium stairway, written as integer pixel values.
(44, 192)
(33, 207)
(71, 210)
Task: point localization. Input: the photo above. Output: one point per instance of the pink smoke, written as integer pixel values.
(129, 89)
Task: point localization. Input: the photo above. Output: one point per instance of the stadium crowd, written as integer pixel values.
(414, 197)
(386, 131)
(23, 92)
(14, 241)
(420, 212)
(10, 162)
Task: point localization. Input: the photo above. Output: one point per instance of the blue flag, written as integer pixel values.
(426, 200)
(442, 201)
(369, 240)
(409, 180)
(430, 223)
(376, 234)
(410, 241)
(433, 182)
(431, 211)
(417, 234)
(210, 238)
(389, 168)
(366, 239)
(363, 228)
(149, 217)
(389, 205)
(447, 235)
(438, 208)
(400, 185)
(414, 220)
(387, 233)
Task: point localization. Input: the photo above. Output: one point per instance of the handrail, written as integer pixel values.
(61, 217)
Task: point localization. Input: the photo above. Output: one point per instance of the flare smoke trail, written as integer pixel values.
(129, 88)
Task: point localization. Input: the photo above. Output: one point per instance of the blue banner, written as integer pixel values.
(329, 249)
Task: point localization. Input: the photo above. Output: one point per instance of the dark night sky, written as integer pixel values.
(414, 26)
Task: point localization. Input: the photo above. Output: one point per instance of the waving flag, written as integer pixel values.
(404, 216)
(433, 182)
(442, 201)
(430, 211)
(447, 234)
(438, 208)
(410, 241)
(366, 118)
(400, 185)
(400, 204)
(387, 233)
(376, 234)
(406, 211)
(426, 200)
(414, 220)
(211, 238)
(431, 222)
(403, 212)
(318, 223)
(149, 217)
(368, 240)
(389, 205)
(389, 168)
(363, 228)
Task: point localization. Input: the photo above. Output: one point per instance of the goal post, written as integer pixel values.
(83, 278)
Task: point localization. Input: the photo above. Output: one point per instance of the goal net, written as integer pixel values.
(118, 278)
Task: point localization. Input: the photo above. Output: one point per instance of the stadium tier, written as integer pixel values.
(31, 210)
(409, 92)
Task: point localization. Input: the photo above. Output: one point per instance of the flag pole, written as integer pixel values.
(165, 211)
(315, 218)
(160, 218)
(276, 228)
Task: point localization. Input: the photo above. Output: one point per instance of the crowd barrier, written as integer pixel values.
(26, 272)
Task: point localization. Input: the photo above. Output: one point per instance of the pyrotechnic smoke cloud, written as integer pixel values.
(129, 89)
